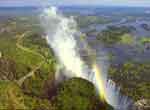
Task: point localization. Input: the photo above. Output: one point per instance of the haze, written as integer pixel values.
(139, 3)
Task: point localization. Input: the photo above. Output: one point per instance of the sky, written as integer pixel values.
(145, 3)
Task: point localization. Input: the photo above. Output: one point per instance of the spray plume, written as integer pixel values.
(61, 36)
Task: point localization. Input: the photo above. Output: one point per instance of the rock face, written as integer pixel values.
(143, 104)
(7, 69)
(145, 26)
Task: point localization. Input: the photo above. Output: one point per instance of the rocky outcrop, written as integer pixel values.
(7, 69)
(143, 104)
(145, 26)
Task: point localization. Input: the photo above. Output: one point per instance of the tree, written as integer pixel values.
(77, 94)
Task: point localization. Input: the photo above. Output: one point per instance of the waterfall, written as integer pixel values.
(115, 98)
(61, 36)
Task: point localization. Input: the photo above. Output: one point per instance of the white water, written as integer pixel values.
(115, 98)
(60, 35)
(61, 32)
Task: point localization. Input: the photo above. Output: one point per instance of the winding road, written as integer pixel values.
(20, 46)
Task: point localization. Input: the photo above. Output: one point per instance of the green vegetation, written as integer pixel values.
(145, 40)
(127, 39)
(27, 67)
(85, 21)
(12, 98)
(78, 94)
(133, 79)
(114, 35)
(71, 92)
(25, 59)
